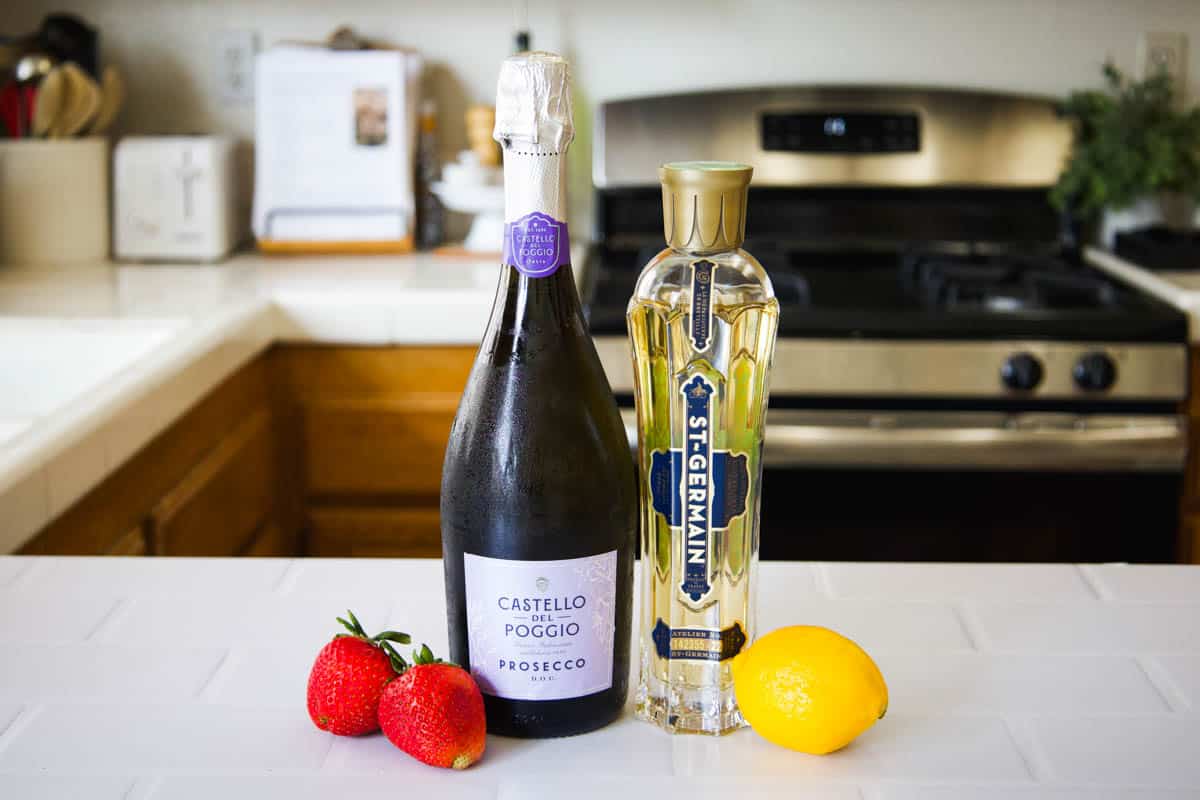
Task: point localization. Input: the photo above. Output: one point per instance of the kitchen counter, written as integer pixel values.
(164, 679)
(96, 359)
(1180, 289)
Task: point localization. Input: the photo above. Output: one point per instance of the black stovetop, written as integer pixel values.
(919, 293)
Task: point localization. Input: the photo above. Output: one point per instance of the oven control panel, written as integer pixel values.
(930, 369)
(1094, 372)
(1022, 372)
(841, 132)
(1091, 372)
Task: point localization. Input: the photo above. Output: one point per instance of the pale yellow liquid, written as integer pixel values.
(696, 696)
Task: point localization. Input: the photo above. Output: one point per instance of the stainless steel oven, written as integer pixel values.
(952, 381)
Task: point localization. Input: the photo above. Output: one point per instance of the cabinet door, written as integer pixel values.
(375, 532)
(1188, 546)
(393, 447)
(105, 519)
(224, 499)
(271, 541)
(372, 422)
(132, 543)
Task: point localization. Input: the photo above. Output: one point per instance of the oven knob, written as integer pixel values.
(1021, 371)
(1094, 372)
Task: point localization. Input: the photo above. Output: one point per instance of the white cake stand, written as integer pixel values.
(486, 202)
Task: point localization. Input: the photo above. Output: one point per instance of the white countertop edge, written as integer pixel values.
(1156, 283)
(213, 346)
(113, 420)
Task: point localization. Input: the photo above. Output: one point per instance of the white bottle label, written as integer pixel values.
(541, 630)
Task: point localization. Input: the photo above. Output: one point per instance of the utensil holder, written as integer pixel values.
(54, 200)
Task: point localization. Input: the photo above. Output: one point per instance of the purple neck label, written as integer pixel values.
(536, 244)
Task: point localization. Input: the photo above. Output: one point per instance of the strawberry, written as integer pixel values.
(348, 677)
(434, 712)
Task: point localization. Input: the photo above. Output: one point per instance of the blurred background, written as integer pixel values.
(247, 250)
(174, 57)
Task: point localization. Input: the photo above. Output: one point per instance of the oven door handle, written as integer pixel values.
(1052, 442)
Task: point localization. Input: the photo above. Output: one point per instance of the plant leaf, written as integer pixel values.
(1130, 140)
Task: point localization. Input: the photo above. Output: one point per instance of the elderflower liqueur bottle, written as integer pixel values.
(539, 500)
(702, 321)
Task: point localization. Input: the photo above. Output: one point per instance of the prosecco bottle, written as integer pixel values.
(539, 503)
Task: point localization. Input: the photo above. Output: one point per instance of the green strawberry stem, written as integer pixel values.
(384, 642)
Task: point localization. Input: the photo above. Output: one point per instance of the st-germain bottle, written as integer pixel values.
(539, 502)
(702, 322)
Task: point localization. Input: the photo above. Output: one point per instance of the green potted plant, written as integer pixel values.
(1135, 160)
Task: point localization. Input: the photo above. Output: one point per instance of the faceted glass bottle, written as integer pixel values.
(702, 322)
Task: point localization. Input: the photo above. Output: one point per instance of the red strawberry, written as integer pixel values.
(434, 712)
(348, 677)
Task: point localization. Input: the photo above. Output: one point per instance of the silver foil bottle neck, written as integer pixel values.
(533, 103)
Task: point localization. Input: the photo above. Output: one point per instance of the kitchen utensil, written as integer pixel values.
(82, 101)
(175, 198)
(27, 74)
(32, 67)
(49, 102)
(112, 91)
(11, 51)
(10, 109)
(69, 38)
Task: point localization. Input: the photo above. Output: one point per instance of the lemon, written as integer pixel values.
(808, 688)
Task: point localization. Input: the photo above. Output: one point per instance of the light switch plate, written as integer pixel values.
(1167, 52)
(233, 52)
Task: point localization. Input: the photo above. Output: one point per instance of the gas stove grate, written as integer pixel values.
(1002, 283)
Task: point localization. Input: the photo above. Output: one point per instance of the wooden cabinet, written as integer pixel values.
(1189, 513)
(271, 540)
(371, 425)
(328, 451)
(223, 500)
(342, 532)
(201, 487)
(331, 451)
(132, 543)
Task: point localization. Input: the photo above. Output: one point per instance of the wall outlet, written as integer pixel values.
(1164, 52)
(234, 52)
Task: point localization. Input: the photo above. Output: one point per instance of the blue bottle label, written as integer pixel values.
(698, 489)
(536, 244)
(697, 644)
(702, 275)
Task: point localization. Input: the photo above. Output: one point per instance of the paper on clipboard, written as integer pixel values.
(335, 135)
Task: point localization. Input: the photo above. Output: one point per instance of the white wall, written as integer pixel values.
(623, 48)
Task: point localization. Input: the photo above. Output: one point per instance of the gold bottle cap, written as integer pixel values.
(704, 204)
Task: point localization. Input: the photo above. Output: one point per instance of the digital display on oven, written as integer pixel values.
(837, 132)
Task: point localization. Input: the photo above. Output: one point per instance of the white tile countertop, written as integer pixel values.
(164, 679)
(1180, 289)
(96, 359)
